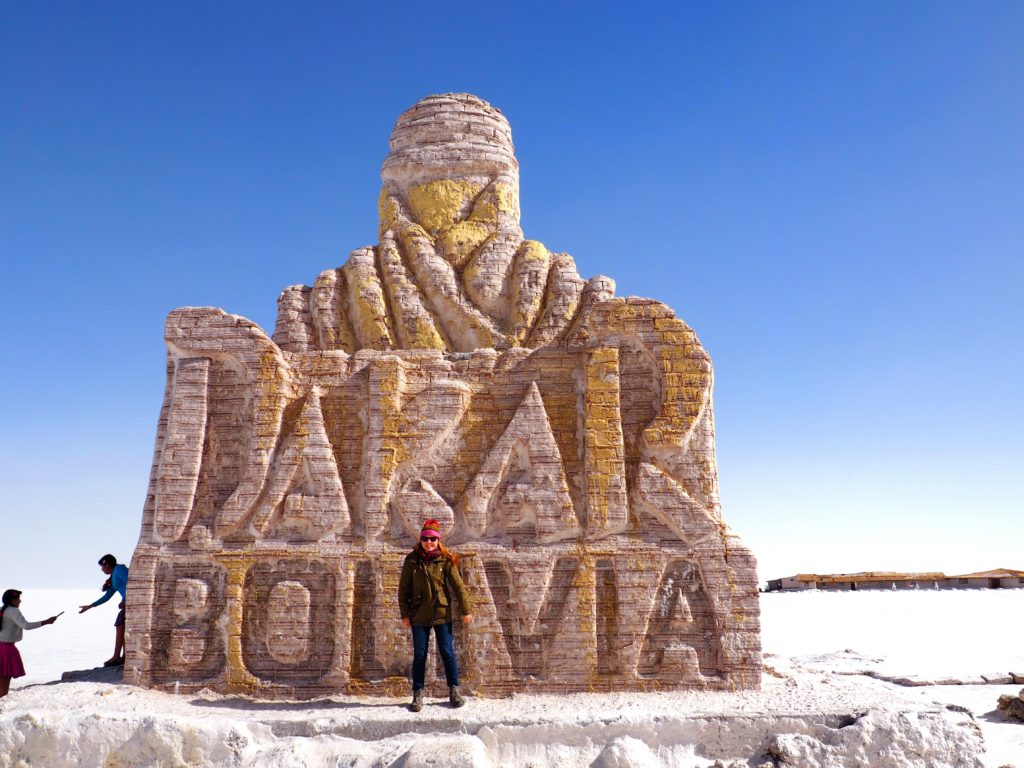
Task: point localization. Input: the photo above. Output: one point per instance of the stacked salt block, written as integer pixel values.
(563, 437)
(1012, 706)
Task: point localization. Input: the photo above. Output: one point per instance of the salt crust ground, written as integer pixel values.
(809, 696)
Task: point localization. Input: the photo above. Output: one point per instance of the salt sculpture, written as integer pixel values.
(563, 437)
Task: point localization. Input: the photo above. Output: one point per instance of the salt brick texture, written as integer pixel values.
(563, 437)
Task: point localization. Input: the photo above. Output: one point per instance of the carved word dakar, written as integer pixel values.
(563, 437)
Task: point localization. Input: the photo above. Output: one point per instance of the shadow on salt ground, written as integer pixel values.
(109, 675)
(115, 676)
(995, 716)
(253, 705)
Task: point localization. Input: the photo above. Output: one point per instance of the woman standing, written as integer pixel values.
(12, 626)
(429, 575)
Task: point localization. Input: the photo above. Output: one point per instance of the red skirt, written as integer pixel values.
(10, 661)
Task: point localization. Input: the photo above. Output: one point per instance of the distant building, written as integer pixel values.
(1000, 578)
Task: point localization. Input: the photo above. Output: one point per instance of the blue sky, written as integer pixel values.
(830, 194)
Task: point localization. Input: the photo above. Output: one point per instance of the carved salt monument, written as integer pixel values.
(563, 436)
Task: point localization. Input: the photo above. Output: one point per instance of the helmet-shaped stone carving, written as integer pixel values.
(562, 437)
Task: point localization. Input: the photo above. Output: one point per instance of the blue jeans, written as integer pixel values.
(420, 643)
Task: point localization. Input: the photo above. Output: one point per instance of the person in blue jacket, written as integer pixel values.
(118, 582)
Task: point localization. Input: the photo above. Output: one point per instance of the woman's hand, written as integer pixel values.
(50, 620)
(84, 608)
(406, 623)
(467, 618)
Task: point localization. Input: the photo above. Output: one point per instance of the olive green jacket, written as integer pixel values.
(425, 590)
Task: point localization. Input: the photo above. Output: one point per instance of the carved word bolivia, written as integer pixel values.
(563, 437)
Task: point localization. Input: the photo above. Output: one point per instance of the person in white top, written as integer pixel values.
(12, 627)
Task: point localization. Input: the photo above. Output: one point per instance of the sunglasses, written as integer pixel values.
(428, 538)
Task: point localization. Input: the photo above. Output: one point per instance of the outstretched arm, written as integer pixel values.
(106, 596)
(14, 615)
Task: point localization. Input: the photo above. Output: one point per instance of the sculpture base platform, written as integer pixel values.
(799, 718)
